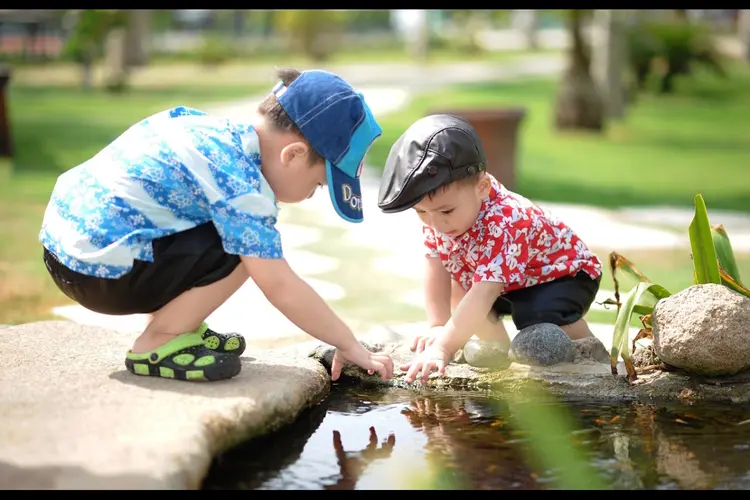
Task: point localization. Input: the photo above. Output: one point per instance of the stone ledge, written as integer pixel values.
(585, 379)
(72, 417)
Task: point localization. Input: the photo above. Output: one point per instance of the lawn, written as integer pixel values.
(666, 150)
(55, 128)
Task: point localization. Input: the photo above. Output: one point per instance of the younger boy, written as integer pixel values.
(491, 252)
(174, 215)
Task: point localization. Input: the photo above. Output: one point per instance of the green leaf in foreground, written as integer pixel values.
(549, 426)
(643, 296)
(724, 252)
(705, 262)
(733, 285)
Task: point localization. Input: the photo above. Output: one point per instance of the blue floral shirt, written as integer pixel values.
(168, 173)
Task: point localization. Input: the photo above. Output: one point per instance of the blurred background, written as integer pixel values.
(605, 114)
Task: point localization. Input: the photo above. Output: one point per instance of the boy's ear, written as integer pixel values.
(484, 185)
(294, 152)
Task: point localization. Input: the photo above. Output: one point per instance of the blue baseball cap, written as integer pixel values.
(338, 124)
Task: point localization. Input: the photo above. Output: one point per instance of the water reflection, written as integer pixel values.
(399, 440)
(352, 464)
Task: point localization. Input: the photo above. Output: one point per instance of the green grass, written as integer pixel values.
(666, 150)
(389, 53)
(56, 128)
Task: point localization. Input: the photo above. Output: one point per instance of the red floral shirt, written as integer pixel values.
(514, 242)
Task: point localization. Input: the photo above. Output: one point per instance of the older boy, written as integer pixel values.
(491, 252)
(174, 215)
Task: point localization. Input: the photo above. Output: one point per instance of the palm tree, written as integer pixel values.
(579, 104)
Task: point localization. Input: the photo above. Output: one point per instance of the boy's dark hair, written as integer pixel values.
(468, 180)
(275, 114)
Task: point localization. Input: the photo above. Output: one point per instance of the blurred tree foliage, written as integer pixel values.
(315, 32)
(86, 42)
(668, 49)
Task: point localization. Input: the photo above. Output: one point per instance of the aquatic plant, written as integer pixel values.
(713, 262)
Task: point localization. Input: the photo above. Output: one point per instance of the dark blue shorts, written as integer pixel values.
(560, 302)
(182, 261)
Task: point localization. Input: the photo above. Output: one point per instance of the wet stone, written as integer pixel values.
(590, 349)
(486, 354)
(544, 344)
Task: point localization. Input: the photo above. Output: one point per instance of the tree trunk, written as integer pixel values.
(116, 71)
(238, 23)
(608, 61)
(527, 22)
(743, 33)
(420, 37)
(579, 105)
(137, 38)
(87, 74)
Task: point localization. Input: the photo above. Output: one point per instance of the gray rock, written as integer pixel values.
(72, 417)
(323, 353)
(544, 344)
(645, 356)
(486, 354)
(590, 349)
(704, 329)
(577, 380)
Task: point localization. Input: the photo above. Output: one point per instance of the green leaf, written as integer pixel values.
(701, 243)
(724, 252)
(644, 297)
(730, 283)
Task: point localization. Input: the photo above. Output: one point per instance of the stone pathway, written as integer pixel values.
(603, 229)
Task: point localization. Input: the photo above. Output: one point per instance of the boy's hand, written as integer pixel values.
(422, 342)
(433, 358)
(358, 355)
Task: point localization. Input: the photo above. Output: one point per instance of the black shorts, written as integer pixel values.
(182, 261)
(560, 302)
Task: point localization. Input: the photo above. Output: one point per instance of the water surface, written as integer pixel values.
(399, 440)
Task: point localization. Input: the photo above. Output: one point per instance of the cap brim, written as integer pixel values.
(346, 194)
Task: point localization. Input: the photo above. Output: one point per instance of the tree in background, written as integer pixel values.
(579, 103)
(87, 40)
(137, 37)
(315, 32)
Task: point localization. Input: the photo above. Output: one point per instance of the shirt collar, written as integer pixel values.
(479, 223)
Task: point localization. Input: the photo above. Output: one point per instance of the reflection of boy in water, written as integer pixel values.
(353, 464)
(459, 439)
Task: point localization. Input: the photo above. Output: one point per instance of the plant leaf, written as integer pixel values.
(724, 252)
(618, 262)
(705, 262)
(645, 295)
(730, 283)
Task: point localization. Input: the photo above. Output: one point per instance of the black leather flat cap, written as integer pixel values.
(436, 150)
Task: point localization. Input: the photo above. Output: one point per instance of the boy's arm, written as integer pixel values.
(437, 292)
(296, 300)
(466, 319)
(468, 316)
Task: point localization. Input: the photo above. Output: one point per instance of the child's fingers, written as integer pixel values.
(411, 375)
(426, 370)
(414, 343)
(387, 363)
(441, 367)
(381, 369)
(335, 368)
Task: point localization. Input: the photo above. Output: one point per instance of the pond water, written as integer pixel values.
(398, 439)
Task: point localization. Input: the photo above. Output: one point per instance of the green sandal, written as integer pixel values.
(184, 358)
(229, 343)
